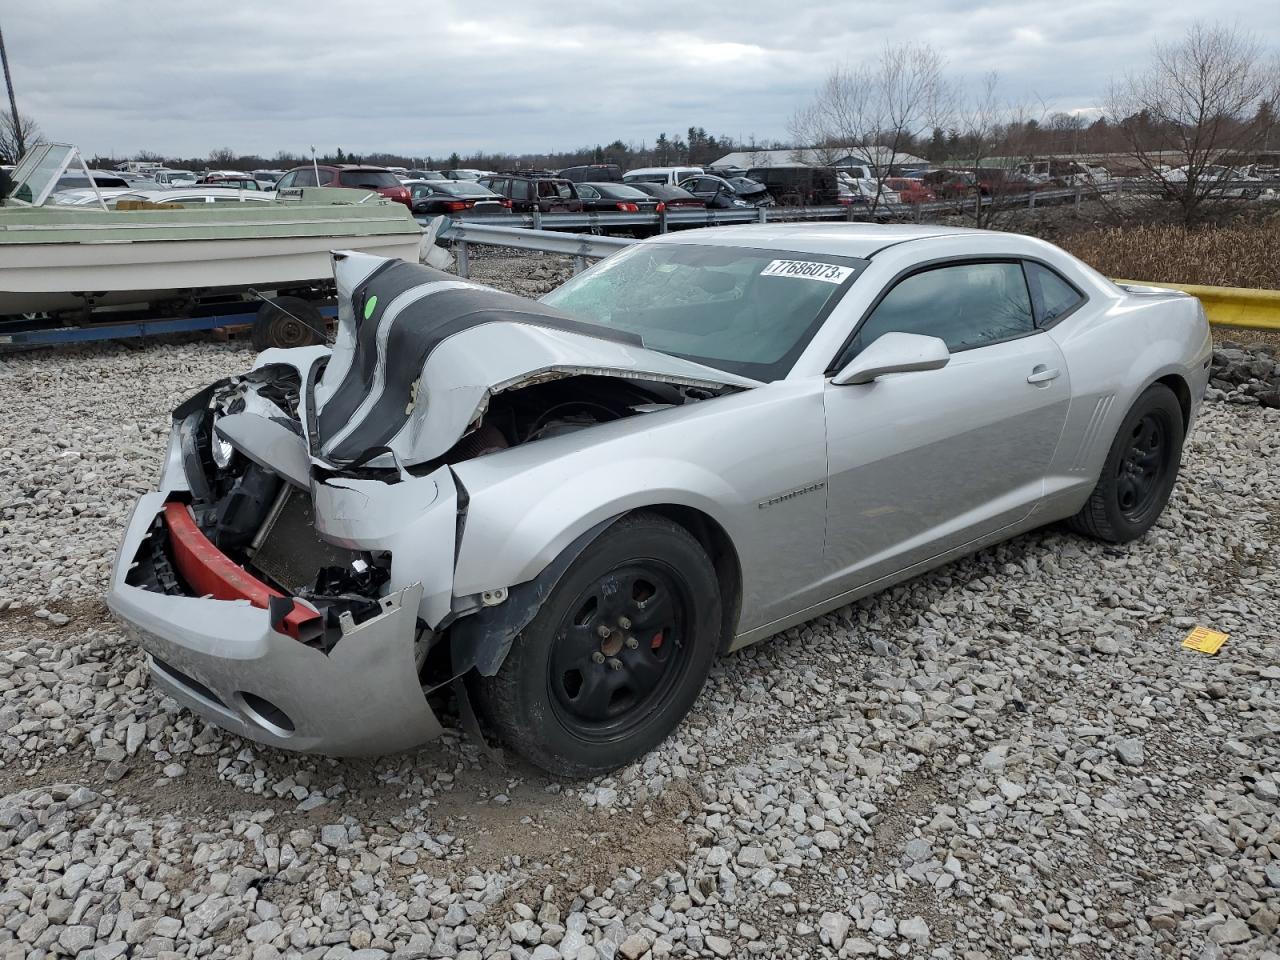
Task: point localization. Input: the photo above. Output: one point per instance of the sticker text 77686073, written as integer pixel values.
(807, 270)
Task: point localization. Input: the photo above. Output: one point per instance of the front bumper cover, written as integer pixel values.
(223, 660)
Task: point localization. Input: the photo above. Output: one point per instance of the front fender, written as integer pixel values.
(518, 525)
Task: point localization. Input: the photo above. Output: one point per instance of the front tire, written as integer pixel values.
(617, 654)
(1139, 472)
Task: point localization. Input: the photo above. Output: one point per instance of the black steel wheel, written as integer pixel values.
(620, 649)
(1139, 472)
(616, 655)
(1143, 466)
(287, 322)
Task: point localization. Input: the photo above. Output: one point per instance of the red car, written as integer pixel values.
(348, 175)
(909, 190)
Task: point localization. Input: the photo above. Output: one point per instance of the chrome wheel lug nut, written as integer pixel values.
(624, 623)
(602, 631)
(632, 643)
(615, 664)
(597, 657)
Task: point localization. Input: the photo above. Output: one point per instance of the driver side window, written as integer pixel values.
(965, 304)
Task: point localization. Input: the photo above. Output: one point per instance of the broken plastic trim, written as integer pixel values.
(483, 639)
(211, 572)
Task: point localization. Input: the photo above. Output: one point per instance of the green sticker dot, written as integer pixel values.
(370, 305)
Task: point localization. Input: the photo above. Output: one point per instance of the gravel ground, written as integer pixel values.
(1010, 757)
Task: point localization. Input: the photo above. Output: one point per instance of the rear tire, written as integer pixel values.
(1139, 472)
(615, 657)
(275, 328)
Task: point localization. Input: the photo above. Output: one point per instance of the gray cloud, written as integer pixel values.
(519, 77)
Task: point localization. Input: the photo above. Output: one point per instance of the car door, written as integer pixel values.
(921, 463)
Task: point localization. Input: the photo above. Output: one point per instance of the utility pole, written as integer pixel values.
(13, 101)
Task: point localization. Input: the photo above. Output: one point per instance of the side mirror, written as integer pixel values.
(894, 353)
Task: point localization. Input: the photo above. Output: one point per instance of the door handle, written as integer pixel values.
(1042, 374)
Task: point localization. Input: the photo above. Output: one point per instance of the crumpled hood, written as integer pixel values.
(419, 352)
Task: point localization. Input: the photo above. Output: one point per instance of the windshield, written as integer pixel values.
(464, 188)
(616, 191)
(742, 310)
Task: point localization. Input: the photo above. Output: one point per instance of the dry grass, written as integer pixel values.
(1241, 255)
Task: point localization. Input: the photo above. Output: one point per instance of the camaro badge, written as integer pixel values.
(792, 494)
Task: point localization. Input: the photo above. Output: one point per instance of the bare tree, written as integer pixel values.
(222, 157)
(875, 111)
(1200, 106)
(998, 135)
(9, 139)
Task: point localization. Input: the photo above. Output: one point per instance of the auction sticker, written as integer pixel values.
(807, 270)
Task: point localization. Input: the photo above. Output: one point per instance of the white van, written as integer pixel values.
(668, 175)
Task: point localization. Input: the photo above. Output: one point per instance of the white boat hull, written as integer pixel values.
(50, 277)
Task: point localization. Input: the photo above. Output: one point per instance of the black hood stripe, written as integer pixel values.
(388, 282)
(411, 333)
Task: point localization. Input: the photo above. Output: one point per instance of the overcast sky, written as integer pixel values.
(427, 79)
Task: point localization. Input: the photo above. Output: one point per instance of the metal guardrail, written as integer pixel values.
(1230, 306)
(710, 217)
(580, 246)
(536, 231)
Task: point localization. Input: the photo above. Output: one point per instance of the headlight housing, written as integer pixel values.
(222, 450)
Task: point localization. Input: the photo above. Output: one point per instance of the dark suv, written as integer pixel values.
(593, 173)
(348, 175)
(530, 191)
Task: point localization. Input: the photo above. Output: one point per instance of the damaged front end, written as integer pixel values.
(292, 578)
(252, 619)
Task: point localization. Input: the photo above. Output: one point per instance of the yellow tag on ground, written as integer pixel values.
(1204, 640)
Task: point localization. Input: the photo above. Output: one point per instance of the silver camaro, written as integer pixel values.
(563, 510)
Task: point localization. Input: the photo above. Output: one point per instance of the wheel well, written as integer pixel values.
(724, 558)
(1183, 393)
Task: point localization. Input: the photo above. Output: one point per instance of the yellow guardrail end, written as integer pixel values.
(1229, 306)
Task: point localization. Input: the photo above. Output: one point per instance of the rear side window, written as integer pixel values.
(521, 190)
(965, 304)
(1053, 297)
(367, 179)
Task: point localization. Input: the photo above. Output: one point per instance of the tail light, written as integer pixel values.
(627, 207)
(505, 202)
(660, 207)
(456, 206)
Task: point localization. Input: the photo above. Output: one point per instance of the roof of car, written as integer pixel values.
(339, 166)
(199, 190)
(843, 239)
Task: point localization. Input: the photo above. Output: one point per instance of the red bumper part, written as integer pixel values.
(210, 572)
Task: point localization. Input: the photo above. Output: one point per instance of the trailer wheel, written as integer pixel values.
(274, 327)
